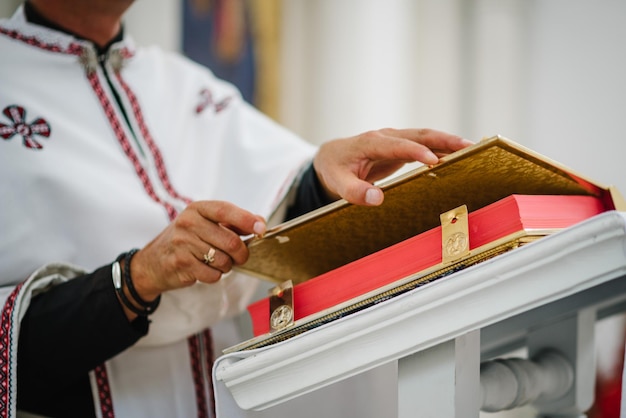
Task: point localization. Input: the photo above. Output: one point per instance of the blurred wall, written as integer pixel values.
(548, 74)
(156, 22)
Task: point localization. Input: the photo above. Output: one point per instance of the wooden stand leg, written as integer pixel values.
(443, 381)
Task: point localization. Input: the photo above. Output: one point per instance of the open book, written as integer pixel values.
(496, 228)
(332, 237)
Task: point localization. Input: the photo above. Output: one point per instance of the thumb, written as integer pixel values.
(363, 193)
(374, 196)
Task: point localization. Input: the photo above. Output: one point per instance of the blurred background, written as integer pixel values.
(549, 74)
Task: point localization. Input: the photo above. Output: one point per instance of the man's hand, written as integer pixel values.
(176, 257)
(348, 167)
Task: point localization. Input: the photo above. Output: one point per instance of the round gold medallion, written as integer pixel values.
(456, 244)
(281, 317)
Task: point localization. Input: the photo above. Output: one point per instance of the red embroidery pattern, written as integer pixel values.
(127, 53)
(221, 105)
(6, 326)
(104, 392)
(72, 49)
(156, 153)
(209, 358)
(199, 368)
(121, 137)
(17, 115)
(206, 100)
(198, 376)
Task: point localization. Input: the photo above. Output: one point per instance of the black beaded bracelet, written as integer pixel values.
(148, 307)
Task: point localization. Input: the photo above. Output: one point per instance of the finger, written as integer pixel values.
(423, 145)
(235, 218)
(437, 141)
(159, 267)
(216, 259)
(188, 269)
(259, 228)
(359, 192)
(202, 273)
(226, 223)
(388, 145)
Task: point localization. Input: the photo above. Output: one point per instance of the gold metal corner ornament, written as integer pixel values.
(454, 235)
(281, 306)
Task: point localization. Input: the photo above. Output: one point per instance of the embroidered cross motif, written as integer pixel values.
(17, 115)
(206, 100)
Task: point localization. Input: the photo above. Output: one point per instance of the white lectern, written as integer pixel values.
(545, 295)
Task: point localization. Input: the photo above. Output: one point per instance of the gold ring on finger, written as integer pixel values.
(209, 257)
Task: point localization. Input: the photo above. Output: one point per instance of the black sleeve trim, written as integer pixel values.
(68, 331)
(309, 196)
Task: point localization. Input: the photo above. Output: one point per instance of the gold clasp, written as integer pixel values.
(454, 235)
(281, 306)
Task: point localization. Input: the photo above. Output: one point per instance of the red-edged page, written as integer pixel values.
(498, 220)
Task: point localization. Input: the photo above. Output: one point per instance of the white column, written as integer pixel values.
(495, 71)
(574, 337)
(442, 381)
(356, 65)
